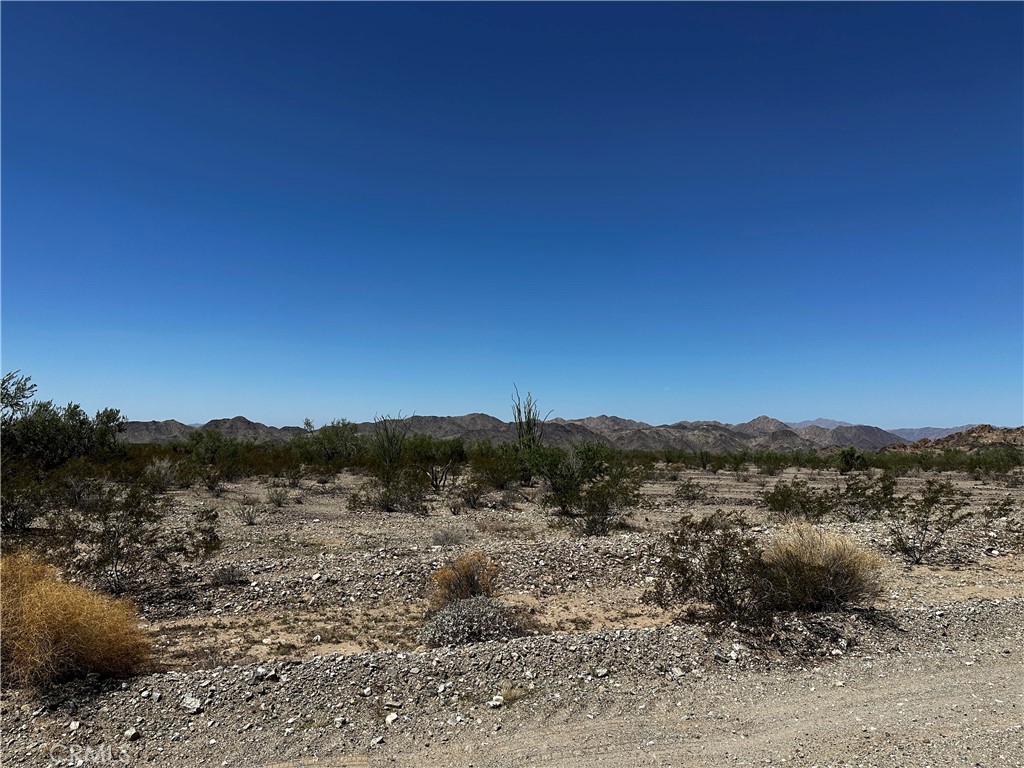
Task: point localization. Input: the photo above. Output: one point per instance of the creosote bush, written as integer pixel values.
(470, 575)
(796, 500)
(160, 475)
(711, 563)
(919, 527)
(691, 492)
(594, 486)
(112, 534)
(54, 631)
(868, 499)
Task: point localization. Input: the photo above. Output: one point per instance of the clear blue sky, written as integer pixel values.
(661, 211)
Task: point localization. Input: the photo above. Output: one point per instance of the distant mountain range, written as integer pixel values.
(762, 433)
(910, 434)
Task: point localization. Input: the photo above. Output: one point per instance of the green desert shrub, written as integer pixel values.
(712, 565)
(277, 497)
(439, 459)
(593, 485)
(850, 459)
(333, 445)
(395, 484)
(919, 527)
(160, 475)
(40, 438)
(691, 492)
(796, 500)
(867, 499)
(114, 535)
(495, 467)
(405, 491)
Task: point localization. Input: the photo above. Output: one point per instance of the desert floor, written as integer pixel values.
(305, 657)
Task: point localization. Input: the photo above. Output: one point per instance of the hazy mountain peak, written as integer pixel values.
(824, 423)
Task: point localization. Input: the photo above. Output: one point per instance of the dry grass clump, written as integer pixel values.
(806, 569)
(470, 575)
(54, 631)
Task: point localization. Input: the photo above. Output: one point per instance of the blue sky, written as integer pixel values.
(661, 211)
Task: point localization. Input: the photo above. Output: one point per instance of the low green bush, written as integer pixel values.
(796, 500)
(920, 526)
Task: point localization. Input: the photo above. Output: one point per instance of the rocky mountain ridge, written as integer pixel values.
(761, 433)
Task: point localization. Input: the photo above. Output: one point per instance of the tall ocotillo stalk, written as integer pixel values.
(529, 430)
(387, 446)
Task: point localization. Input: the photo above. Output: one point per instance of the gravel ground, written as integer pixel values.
(933, 676)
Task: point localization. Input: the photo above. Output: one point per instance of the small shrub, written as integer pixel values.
(691, 492)
(22, 500)
(1013, 479)
(919, 527)
(713, 562)
(473, 620)
(448, 537)
(454, 504)
(508, 499)
(277, 497)
(871, 500)
(406, 491)
(716, 563)
(114, 535)
(998, 510)
(850, 459)
(294, 475)
(228, 576)
(495, 467)
(249, 510)
(159, 475)
(470, 575)
(202, 540)
(809, 570)
(54, 631)
(334, 443)
(186, 474)
(212, 480)
(608, 500)
(591, 484)
(470, 489)
(796, 500)
(510, 694)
